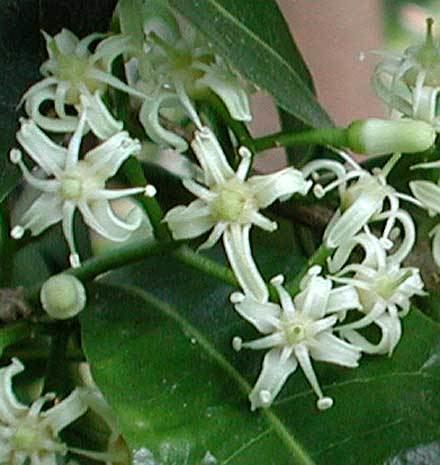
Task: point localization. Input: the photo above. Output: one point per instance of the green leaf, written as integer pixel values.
(160, 350)
(255, 38)
(19, 61)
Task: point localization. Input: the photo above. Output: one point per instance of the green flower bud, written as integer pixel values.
(379, 137)
(63, 296)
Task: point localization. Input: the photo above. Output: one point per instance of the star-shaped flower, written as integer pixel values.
(362, 201)
(229, 204)
(416, 67)
(74, 76)
(296, 332)
(384, 286)
(27, 434)
(183, 67)
(75, 183)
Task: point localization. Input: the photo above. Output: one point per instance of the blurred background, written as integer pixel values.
(331, 36)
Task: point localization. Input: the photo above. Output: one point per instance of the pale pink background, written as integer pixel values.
(331, 34)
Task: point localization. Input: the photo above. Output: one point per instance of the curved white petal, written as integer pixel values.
(211, 157)
(428, 193)
(187, 222)
(312, 301)
(10, 407)
(106, 158)
(50, 156)
(230, 90)
(280, 185)
(65, 412)
(353, 219)
(99, 118)
(238, 250)
(45, 211)
(149, 116)
(342, 298)
(329, 348)
(264, 316)
(274, 374)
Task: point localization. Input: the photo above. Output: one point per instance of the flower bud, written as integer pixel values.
(379, 137)
(63, 296)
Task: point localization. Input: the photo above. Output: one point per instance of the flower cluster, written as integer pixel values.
(31, 434)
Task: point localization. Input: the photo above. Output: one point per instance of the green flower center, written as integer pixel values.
(74, 69)
(71, 189)
(295, 333)
(34, 437)
(232, 201)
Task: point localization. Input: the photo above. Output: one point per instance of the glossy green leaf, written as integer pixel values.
(255, 38)
(19, 61)
(161, 352)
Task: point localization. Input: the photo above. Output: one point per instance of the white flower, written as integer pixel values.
(417, 67)
(75, 183)
(229, 204)
(297, 332)
(428, 194)
(384, 286)
(361, 201)
(28, 435)
(184, 67)
(76, 76)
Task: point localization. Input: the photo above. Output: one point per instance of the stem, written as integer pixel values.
(201, 263)
(56, 368)
(324, 136)
(238, 128)
(133, 171)
(318, 258)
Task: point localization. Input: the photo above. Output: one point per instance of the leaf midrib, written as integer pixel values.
(274, 422)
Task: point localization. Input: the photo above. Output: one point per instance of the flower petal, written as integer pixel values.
(329, 348)
(65, 412)
(10, 408)
(149, 116)
(343, 298)
(312, 301)
(428, 193)
(99, 118)
(211, 157)
(50, 156)
(45, 211)
(280, 185)
(106, 158)
(187, 222)
(274, 374)
(264, 316)
(238, 250)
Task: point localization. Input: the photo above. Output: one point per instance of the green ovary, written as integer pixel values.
(232, 201)
(71, 189)
(74, 70)
(295, 333)
(32, 437)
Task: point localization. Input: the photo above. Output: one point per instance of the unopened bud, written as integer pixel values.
(63, 296)
(379, 137)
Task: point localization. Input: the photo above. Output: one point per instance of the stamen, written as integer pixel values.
(324, 403)
(237, 343)
(15, 156)
(265, 397)
(150, 190)
(74, 260)
(236, 297)
(17, 232)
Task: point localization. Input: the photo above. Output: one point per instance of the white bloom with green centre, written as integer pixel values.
(76, 76)
(428, 194)
(364, 197)
(417, 67)
(296, 332)
(384, 286)
(75, 184)
(28, 434)
(183, 67)
(229, 204)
